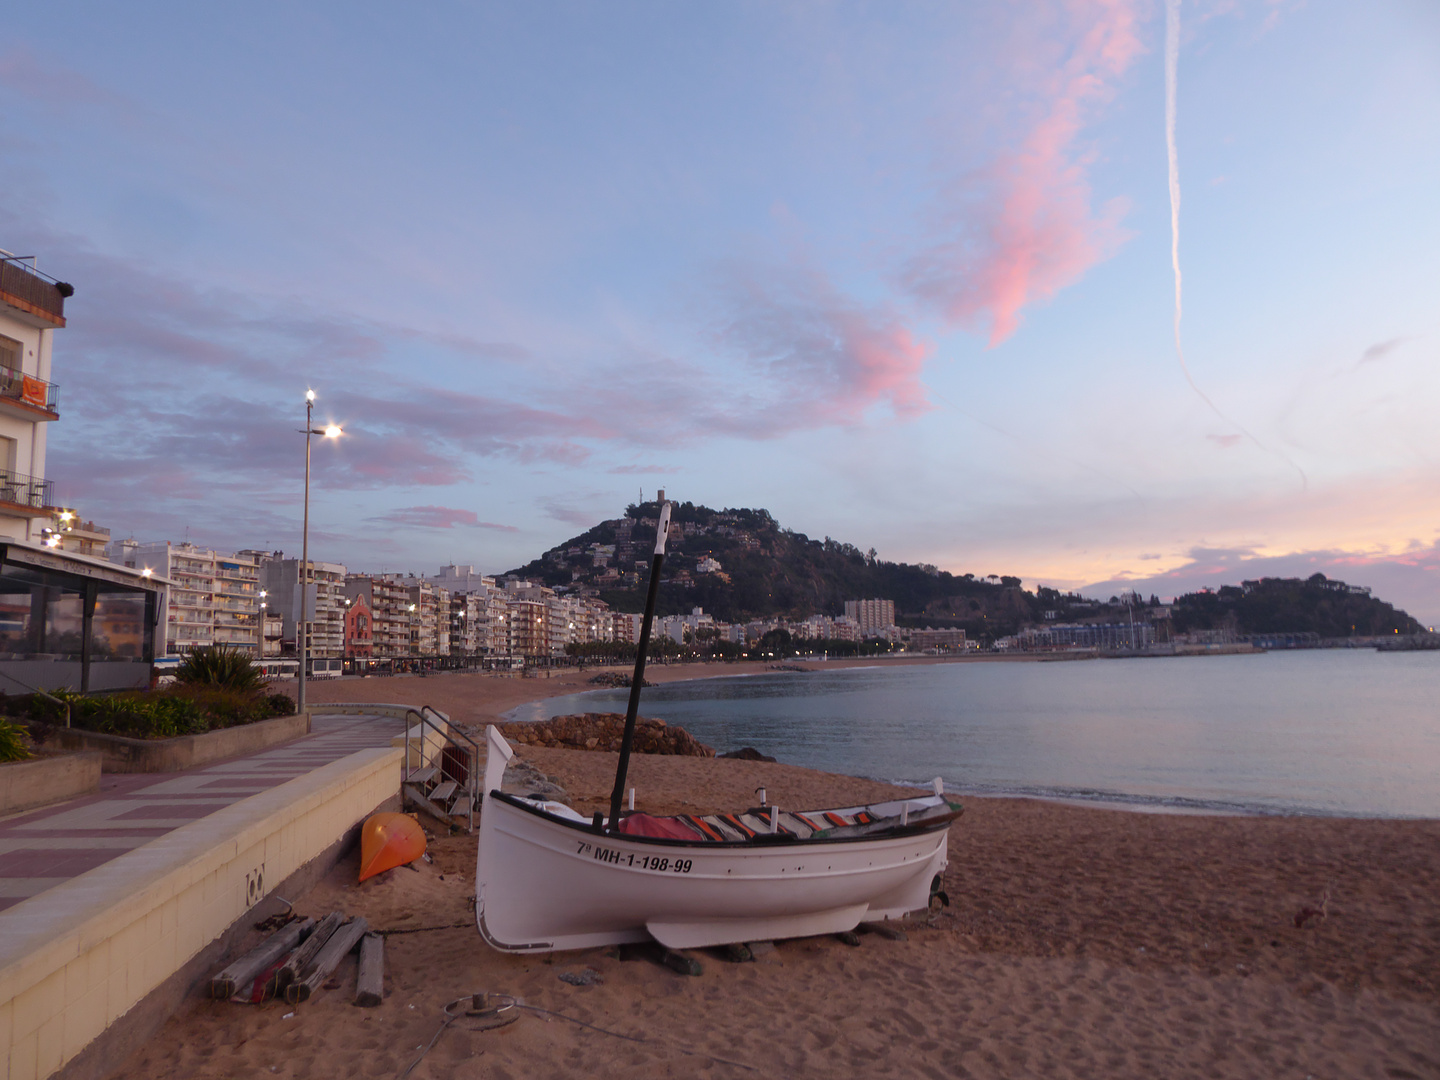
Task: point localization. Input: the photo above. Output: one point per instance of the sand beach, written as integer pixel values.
(1079, 942)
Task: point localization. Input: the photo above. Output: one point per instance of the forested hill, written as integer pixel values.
(740, 564)
(764, 571)
(1317, 605)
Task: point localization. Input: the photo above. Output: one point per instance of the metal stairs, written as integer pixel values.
(442, 771)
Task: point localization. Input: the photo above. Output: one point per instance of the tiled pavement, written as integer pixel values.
(41, 849)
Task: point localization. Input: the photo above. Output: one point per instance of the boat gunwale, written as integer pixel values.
(759, 840)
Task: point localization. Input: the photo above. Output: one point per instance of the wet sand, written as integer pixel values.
(1079, 942)
(475, 699)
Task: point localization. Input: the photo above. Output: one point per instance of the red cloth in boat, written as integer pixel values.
(662, 827)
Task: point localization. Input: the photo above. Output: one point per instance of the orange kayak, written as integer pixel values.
(388, 841)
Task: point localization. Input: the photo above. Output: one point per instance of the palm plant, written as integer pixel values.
(12, 742)
(220, 665)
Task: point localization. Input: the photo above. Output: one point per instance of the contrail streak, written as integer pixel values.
(1172, 67)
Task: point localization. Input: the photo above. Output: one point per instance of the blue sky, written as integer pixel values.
(899, 273)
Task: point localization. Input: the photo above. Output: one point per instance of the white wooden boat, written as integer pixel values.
(546, 878)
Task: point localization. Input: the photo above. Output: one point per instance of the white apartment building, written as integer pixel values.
(67, 617)
(32, 308)
(477, 611)
(874, 617)
(822, 627)
(325, 604)
(429, 618)
(675, 627)
(212, 598)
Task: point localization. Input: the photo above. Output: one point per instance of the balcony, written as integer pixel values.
(31, 492)
(33, 297)
(27, 397)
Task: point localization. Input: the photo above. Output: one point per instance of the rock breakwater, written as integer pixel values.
(603, 731)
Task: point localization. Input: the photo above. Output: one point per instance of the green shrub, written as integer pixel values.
(220, 665)
(13, 744)
(280, 704)
(182, 709)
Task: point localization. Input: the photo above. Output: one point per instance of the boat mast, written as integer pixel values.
(639, 678)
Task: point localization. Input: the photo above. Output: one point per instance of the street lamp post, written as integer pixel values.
(303, 631)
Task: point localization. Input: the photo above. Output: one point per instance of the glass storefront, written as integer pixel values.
(78, 628)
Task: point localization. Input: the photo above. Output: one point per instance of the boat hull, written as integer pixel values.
(543, 884)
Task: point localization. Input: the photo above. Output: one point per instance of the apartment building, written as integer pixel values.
(274, 630)
(211, 597)
(388, 597)
(325, 602)
(465, 624)
(32, 308)
(682, 629)
(625, 626)
(81, 537)
(429, 618)
(67, 617)
(874, 617)
(359, 628)
(527, 623)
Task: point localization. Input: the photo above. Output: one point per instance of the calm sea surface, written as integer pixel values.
(1346, 732)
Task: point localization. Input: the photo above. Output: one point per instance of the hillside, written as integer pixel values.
(1317, 605)
(740, 564)
(767, 571)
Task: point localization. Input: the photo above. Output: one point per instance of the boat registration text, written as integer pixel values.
(661, 863)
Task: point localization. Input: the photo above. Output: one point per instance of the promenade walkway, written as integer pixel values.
(42, 848)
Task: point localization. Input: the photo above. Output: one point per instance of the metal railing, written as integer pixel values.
(21, 490)
(458, 761)
(31, 287)
(17, 386)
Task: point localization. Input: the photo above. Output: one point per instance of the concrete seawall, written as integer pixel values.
(123, 942)
(25, 785)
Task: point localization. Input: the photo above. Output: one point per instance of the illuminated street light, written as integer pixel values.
(330, 431)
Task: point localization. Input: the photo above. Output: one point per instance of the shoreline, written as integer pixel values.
(473, 700)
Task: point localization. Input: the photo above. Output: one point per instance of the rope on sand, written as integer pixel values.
(496, 1016)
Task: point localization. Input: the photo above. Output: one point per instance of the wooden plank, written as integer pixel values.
(341, 942)
(242, 973)
(303, 955)
(885, 930)
(370, 986)
(442, 792)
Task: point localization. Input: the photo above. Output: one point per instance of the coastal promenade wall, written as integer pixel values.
(123, 755)
(126, 941)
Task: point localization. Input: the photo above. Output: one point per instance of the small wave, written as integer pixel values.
(1145, 804)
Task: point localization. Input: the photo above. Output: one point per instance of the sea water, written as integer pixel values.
(1335, 731)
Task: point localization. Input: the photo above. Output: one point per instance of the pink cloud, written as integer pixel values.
(439, 517)
(23, 72)
(1032, 231)
(828, 356)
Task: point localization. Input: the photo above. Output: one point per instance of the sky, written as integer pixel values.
(901, 273)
